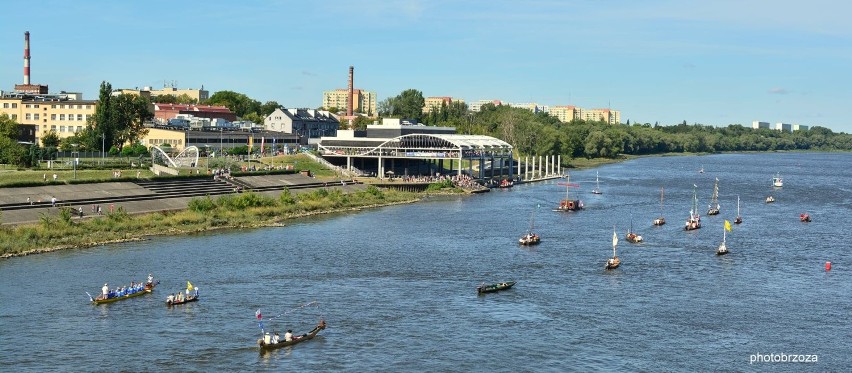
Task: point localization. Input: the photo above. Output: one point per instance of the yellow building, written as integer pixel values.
(602, 115)
(48, 113)
(435, 103)
(363, 102)
(565, 114)
(199, 95)
(159, 137)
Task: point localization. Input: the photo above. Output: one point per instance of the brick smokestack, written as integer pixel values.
(27, 57)
(349, 99)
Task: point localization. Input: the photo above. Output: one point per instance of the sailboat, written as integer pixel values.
(713, 208)
(614, 262)
(661, 220)
(805, 218)
(569, 204)
(738, 219)
(694, 221)
(777, 181)
(723, 247)
(597, 189)
(631, 236)
(530, 238)
(701, 170)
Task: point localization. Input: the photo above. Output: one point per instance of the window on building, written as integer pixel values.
(14, 116)
(79, 128)
(35, 106)
(61, 116)
(5, 105)
(14, 105)
(53, 106)
(53, 127)
(52, 116)
(27, 116)
(80, 117)
(61, 128)
(27, 106)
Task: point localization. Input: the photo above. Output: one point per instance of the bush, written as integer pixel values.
(245, 200)
(436, 186)
(286, 198)
(204, 204)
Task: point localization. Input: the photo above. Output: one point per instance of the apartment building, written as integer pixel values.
(601, 115)
(565, 113)
(307, 123)
(434, 103)
(363, 102)
(56, 112)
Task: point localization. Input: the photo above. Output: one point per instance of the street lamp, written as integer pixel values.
(74, 156)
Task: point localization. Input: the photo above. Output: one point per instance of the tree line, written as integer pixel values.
(539, 133)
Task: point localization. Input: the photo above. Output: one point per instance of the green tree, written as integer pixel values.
(130, 112)
(238, 103)
(268, 107)
(253, 117)
(50, 139)
(101, 124)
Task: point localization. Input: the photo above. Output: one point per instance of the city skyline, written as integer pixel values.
(660, 61)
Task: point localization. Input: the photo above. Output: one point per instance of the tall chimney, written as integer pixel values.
(27, 57)
(349, 102)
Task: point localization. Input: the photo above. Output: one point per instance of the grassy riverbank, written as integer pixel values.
(244, 210)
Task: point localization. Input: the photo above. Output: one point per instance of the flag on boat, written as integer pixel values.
(188, 286)
(258, 315)
(727, 225)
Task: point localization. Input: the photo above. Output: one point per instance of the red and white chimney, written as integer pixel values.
(349, 101)
(27, 57)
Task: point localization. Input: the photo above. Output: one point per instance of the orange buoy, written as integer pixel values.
(827, 266)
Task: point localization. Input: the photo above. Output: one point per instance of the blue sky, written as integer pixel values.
(710, 62)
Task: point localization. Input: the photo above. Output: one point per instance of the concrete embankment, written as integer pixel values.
(144, 196)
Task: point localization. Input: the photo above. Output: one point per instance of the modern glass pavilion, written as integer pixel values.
(422, 154)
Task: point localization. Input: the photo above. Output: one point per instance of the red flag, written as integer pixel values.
(259, 316)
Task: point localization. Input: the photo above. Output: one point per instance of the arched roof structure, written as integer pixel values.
(417, 146)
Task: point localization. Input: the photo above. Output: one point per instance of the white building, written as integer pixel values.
(758, 125)
(309, 123)
(784, 127)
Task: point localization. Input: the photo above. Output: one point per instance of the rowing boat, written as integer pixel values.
(264, 346)
(481, 289)
(149, 288)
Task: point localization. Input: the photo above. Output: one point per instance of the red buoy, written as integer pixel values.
(827, 266)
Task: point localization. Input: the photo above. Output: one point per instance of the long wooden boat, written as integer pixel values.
(296, 339)
(149, 288)
(482, 289)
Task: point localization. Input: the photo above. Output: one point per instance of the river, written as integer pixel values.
(396, 285)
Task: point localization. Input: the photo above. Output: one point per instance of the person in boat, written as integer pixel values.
(150, 279)
(321, 324)
(105, 291)
(288, 337)
(170, 299)
(275, 338)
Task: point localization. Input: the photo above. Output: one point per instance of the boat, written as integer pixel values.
(614, 262)
(701, 170)
(597, 189)
(491, 288)
(738, 219)
(694, 220)
(569, 204)
(777, 181)
(530, 238)
(713, 207)
(723, 247)
(191, 296)
(146, 289)
(805, 218)
(660, 220)
(267, 344)
(506, 183)
(770, 199)
(631, 236)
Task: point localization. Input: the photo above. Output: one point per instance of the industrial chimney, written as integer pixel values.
(349, 101)
(27, 58)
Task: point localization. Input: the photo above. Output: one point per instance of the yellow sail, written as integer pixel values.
(727, 225)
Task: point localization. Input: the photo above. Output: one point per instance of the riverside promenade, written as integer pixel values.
(145, 196)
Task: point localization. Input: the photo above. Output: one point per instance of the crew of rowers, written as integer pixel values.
(134, 287)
